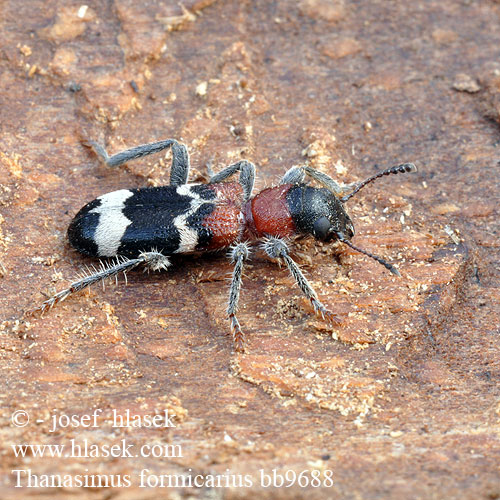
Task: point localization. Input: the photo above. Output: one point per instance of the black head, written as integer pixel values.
(321, 213)
(318, 212)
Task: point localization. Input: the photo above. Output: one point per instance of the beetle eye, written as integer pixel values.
(321, 228)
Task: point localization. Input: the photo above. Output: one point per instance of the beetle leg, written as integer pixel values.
(276, 248)
(325, 180)
(237, 254)
(247, 176)
(294, 175)
(180, 157)
(153, 260)
(179, 171)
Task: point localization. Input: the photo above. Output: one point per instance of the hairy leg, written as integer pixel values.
(180, 158)
(153, 260)
(247, 176)
(238, 253)
(276, 248)
(296, 175)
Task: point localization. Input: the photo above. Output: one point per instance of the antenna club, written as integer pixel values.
(398, 169)
(403, 168)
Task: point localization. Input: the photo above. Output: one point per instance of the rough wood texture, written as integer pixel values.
(402, 400)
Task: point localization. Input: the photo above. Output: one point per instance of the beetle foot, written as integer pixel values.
(322, 311)
(238, 336)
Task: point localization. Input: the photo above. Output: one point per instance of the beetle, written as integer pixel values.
(146, 226)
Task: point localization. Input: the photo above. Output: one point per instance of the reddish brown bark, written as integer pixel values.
(402, 399)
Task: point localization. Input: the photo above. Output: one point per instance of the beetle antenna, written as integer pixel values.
(399, 169)
(386, 264)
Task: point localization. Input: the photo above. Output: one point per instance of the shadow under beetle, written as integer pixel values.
(145, 226)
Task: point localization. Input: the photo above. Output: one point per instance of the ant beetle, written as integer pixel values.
(146, 226)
